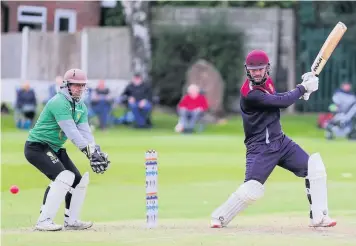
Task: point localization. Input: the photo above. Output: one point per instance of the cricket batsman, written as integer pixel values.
(267, 145)
(64, 117)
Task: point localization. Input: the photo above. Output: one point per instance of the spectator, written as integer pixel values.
(101, 102)
(343, 98)
(191, 109)
(26, 105)
(139, 101)
(4, 109)
(54, 88)
(344, 106)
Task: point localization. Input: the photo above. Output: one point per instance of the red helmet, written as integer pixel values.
(257, 59)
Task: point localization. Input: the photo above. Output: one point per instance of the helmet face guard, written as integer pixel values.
(257, 59)
(264, 78)
(77, 96)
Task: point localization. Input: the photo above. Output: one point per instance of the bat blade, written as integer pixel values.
(328, 47)
(326, 50)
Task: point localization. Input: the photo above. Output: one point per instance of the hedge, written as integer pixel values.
(176, 48)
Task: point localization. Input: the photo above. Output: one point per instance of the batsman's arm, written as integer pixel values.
(281, 93)
(264, 100)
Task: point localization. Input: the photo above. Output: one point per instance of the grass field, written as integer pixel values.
(196, 174)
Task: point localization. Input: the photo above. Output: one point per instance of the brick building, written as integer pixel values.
(67, 16)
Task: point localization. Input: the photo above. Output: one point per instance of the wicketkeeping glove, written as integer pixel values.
(98, 161)
(105, 156)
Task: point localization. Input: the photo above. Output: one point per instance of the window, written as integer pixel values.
(65, 20)
(32, 16)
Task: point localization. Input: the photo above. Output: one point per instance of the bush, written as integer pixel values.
(113, 16)
(176, 48)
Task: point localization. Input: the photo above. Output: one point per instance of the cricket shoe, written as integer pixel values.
(216, 224)
(77, 225)
(326, 222)
(47, 225)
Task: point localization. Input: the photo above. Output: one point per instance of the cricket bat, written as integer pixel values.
(326, 50)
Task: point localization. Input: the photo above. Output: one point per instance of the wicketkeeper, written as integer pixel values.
(64, 117)
(267, 146)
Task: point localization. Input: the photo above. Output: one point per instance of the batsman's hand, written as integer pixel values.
(99, 162)
(306, 96)
(307, 75)
(310, 83)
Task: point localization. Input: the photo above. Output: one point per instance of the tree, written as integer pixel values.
(137, 17)
(113, 16)
(329, 13)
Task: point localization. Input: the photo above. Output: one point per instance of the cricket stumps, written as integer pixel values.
(151, 164)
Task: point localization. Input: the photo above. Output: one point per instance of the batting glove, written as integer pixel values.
(310, 83)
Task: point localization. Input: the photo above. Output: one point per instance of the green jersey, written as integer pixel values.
(47, 129)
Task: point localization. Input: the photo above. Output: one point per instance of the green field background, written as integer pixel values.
(196, 174)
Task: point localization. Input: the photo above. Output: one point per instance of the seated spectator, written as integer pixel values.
(138, 97)
(343, 123)
(26, 105)
(4, 109)
(343, 97)
(342, 100)
(54, 88)
(101, 102)
(191, 109)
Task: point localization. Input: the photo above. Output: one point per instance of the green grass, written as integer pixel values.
(196, 174)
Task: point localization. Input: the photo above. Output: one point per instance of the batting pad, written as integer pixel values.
(318, 189)
(246, 194)
(78, 196)
(56, 194)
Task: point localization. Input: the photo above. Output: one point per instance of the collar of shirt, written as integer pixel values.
(267, 87)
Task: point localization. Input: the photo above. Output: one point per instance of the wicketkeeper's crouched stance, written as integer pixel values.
(267, 146)
(64, 116)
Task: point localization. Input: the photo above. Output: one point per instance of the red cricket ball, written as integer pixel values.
(14, 189)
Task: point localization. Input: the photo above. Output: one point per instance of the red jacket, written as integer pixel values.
(192, 103)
